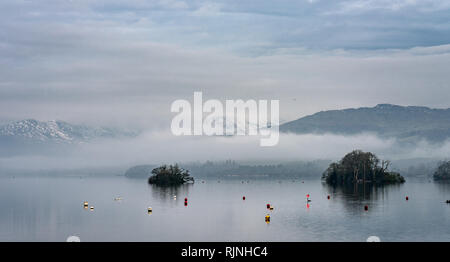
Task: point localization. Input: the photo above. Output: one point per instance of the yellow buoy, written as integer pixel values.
(85, 204)
(149, 210)
(267, 218)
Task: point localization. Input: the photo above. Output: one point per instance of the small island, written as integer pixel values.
(361, 167)
(171, 175)
(442, 172)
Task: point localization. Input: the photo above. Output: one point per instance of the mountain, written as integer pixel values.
(57, 131)
(406, 123)
(31, 136)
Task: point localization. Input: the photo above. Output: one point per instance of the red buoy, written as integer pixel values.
(328, 196)
(307, 195)
(185, 199)
(407, 198)
(366, 207)
(268, 206)
(243, 198)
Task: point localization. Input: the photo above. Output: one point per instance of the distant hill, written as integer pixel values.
(406, 123)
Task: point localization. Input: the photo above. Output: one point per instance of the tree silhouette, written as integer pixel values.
(170, 175)
(358, 166)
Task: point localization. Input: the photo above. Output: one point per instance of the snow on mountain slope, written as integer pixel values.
(57, 131)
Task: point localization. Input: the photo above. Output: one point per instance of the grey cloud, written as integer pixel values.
(123, 63)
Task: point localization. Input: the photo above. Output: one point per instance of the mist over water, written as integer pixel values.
(162, 147)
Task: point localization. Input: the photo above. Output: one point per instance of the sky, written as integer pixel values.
(122, 63)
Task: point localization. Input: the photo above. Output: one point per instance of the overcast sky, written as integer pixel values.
(112, 62)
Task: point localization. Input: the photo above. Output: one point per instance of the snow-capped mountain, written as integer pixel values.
(56, 131)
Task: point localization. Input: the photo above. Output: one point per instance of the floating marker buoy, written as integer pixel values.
(328, 196)
(85, 204)
(268, 206)
(307, 205)
(271, 207)
(243, 198)
(185, 199)
(149, 210)
(407, 198)
(307, 195)
(92, 208)
(366, 207)
(448, 202)
(267, 218)
(117, 198)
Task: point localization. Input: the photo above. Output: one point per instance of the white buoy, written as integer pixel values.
(92, 208)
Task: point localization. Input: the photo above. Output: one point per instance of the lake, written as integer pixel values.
(51, 209)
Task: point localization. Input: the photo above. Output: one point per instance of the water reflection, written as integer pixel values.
(443, 186)
(167, 193)
(361, 191)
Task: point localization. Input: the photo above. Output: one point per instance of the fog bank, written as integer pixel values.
(163, 147)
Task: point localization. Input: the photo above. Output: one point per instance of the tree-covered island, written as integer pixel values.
(442, 172)
(361, 167)
(171, 175)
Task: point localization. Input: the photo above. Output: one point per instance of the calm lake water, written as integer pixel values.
(51, 209)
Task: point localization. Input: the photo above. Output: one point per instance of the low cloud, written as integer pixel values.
(163, 147)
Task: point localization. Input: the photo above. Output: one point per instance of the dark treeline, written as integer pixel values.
(233, 169)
